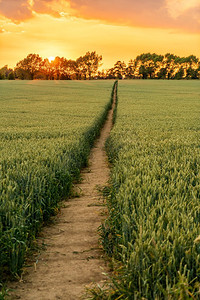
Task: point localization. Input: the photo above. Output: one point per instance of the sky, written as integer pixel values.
(115, 29)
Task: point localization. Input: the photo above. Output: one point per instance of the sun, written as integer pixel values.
(51, 58)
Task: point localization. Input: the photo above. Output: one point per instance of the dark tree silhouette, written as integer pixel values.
(29, 66)
(87, 65)
(5, 72)
(119, 70)
(145, 66)
(130, 70)
(143, 71)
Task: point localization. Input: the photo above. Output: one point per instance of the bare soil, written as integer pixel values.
(73, 258)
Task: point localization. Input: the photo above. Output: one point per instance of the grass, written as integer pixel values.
(46, 131)
(153, 229)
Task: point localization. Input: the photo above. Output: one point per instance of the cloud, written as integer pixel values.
(181, 15)
(144, 13)
(178, 7)
(16, 10)
(50, 7)
(20, 10)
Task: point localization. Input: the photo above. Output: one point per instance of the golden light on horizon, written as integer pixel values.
(66, 29)
(51, 58)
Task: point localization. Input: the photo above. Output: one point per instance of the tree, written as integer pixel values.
(5, 71)
(162, 73)
(11, 76)
(60, 69)
(179, 75)
(70, 69)
(110, 73)
(58, 66)
(170, 57)
(146, 65)
(31, 65)
(46, 69)
(119, 70)
(150, 69)
(87, 65)
(22, 74)
(191, 73)
(143, 71)
(130, 70)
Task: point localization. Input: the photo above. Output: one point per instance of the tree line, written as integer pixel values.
(144, 66)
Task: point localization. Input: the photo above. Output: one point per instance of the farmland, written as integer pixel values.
(153, 230)
(46, 132)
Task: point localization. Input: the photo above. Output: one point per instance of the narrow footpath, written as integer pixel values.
(73, 257)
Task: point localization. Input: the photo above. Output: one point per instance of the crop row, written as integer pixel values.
(153, 228)
(47, 130)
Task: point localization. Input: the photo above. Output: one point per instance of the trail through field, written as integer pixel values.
(73, 257)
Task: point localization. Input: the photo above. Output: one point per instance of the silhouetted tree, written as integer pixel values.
(87, 65)
(70, 69)
(5, 72)
(46, 69)
(145, 66)
(130, 70)
(22, 74)
(143, 71)
(119, 69)
(191, 73)
(110, 73)
(31, 65)
(150, 70)
(162, 73)
(11, 76)
(179, 74)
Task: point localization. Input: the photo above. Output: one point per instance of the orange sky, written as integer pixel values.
(116, 29)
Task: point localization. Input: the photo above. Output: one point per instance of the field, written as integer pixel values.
(46, 132)
(153, 228)
(152, 231)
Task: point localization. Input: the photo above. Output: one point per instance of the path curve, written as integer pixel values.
(73, 257)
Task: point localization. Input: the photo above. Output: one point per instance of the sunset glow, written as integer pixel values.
(51, 58)
(115, 29)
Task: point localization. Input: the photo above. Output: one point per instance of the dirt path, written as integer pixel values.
(73, 258)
